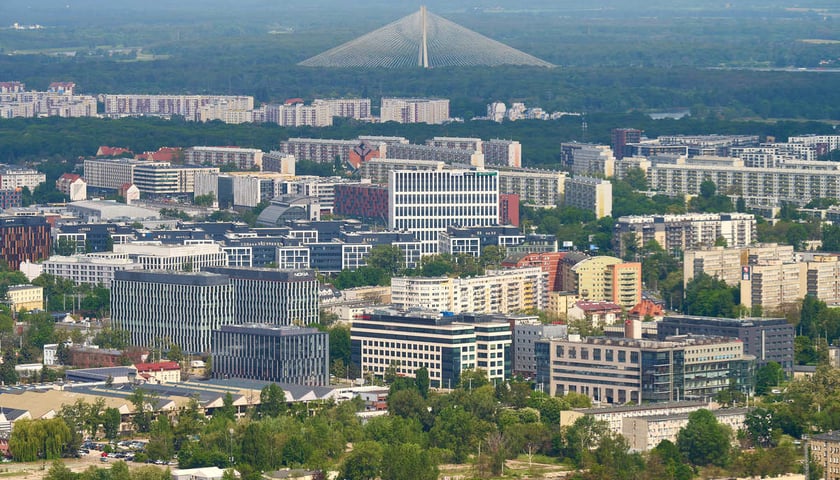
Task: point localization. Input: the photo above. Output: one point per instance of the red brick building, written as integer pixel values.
(509, 209)
(365, 200)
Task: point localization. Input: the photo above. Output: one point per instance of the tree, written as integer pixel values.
(59, 471)
(340, 344)
(272, 401)
(704, 441)
(145, 404)
(583, 437)
(111, 420)
(363, 463)
(161, 444)
(407, 461)
(34, 439)
(768, 376)
(421, 380)
(227, 410)
(62, 354)
(205, 200)
(708, 296)
(175, 353)
(389, 258)
(830, 237)
(64, 246)
(761, 428)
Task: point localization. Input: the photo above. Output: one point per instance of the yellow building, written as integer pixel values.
(602, 278)
(29, 297)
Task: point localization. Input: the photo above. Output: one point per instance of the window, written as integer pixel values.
(622, 356)
(596, 354)
(609, 355)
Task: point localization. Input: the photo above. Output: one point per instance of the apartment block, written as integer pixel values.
(725, 263)
(11, 198)
(502, 152)
(615, 415)
(601, 278)
(645, 433)
(296, 114)
(772, 285)
(271, 353)
(72, 185)
(822, 278)
(377, 170)
(458, 143)
(590, 194)
(621, 137)
(276, 161)
(499, 291)
(241, 158)
(427, 202)
(414, 110)
(12, 178)
(408, 151)
(824, 448)
(186, 106)
(539, 188)
(356, 108)
(678, 233)
(587, 159)
(318, 150)
(442, 343)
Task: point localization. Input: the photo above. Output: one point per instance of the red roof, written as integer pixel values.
(164, 154)
(647, 307)
(157, 366)
(597, 306)
(292, 101)
(70, 177)
(106, 151)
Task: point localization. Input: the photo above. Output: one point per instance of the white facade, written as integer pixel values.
(414, 110)
(110, 173)
(356, 108)
(12, 178)
(292, 258)
(502, 152)
(587, 159)
(299, 115)
(541, 188)
(426, 202)
(156, 256)
(591, 194)
(167, 105)
(243, 158)
(499, 291)
(91, 269)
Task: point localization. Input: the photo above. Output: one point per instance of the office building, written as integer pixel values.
(526, 332)
(678, 233)
(240, 158)
(89, 269)
(625, 370)
(273, 297)
(590, 194)
(499, 291)
(362, 200)
(601, 278)
(414, 110)
(473, 240)
(159, 308)
(272, 353)
(157, 256)
(240, 189)
(509, 209)
(444, 344)
(12, 178)
(767, 339)
(24, 238)
(427, 202)
(587, 159)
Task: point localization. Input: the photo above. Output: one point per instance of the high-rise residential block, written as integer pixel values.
(414, 110)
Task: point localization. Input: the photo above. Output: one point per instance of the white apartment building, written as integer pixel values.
(645, 433)
(678, 233)
(46, 104)
(356, 108)
(149, 177)
(589, 193)
(12, 178)
(832, 141)
(242, 158)
(414, 110)
(822, 278)
(794, 182)
(725, 263)
(91, 269)
(499, 291)
(426, 202)
(317, 149)
(772, 284)
(299, 115)
(540, 188)
(502, 152)
(157, 256)
(587, 159)
(377, 170)
(187, 106)
(459, 143)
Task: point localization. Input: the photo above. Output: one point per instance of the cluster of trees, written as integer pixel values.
(118, 471)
